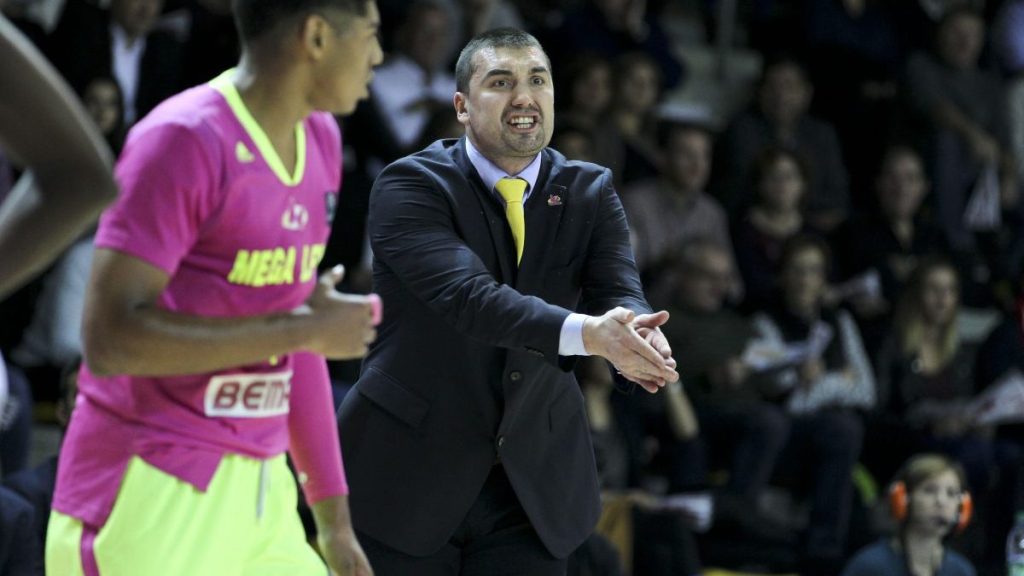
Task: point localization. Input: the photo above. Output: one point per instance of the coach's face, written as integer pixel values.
(509, 109)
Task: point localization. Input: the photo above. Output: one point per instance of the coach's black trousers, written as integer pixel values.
(494, 539)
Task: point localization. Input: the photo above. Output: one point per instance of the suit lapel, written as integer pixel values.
(494, 213)
(544, 212)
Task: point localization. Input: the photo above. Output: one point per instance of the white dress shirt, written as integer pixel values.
(127, 59)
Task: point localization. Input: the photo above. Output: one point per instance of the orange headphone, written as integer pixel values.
(899, 503)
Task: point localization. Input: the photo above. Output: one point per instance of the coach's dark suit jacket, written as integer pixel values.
(466, 369)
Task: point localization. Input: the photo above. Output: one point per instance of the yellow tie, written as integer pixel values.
(512, 190)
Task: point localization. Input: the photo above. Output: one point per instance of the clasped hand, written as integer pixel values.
(633, 344)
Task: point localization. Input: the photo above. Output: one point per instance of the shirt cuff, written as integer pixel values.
(570, 341)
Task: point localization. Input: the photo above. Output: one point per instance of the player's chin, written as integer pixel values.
(344, 106)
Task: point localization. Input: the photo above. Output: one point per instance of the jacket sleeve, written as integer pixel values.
(610, 277)
(412, 233)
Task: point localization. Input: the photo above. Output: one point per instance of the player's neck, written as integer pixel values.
(269, 93)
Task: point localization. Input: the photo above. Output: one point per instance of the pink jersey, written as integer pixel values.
(206, 199)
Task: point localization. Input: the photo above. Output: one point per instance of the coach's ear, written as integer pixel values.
(461, 112)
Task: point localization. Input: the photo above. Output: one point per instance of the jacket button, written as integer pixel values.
(501, 441)
(515, 376)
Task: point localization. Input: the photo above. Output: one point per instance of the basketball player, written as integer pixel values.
(203, 294)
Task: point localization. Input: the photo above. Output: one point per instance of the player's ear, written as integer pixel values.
(316, 32)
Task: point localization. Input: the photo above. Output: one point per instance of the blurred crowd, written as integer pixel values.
(825, 194)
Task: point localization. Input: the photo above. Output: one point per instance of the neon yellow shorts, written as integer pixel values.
(244, 524)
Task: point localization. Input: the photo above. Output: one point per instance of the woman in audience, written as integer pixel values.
(926, 384)
(886, 244)
(929, 501)
(780, 180)
(588, 82)
(636, 83)
(104, 102)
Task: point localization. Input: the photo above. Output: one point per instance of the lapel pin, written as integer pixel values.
(554, 200)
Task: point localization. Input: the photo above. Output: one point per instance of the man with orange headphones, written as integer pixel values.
(929, 501)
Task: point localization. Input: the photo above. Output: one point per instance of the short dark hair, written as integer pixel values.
(959, 11)
(496, 38)
(783, 59)
(668, 129)
(801, 243)
(255, 18)
(771, 155)
(686, 257)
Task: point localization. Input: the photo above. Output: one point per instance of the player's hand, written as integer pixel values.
(613, 337)
(344, 321)
(336, 538)
(343, 554)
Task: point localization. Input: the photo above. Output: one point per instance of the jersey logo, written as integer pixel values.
(242, 153)
(248, 395)
(295, 217)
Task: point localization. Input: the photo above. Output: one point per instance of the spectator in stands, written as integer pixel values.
(474, 17)
(669, 418)
(103, 100)
(574, 141)
(414, 80)
(36, 485)
(586, 85)
(926, 384)
(779, 183)
(666, 212)
(655, 542)
(734, 420)
(53, 337)
(928, 499)
(635, 95)
(925, 371)
(780, 119)
(813, 363)
(15, 419)
(123, 42)
(886, 245)
(441, 124)
(612, 28)
(961, 114)
(854, 59)
(19, 552)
